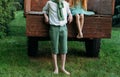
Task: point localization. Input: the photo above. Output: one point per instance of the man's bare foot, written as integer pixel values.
(55, 71)
(65, 71)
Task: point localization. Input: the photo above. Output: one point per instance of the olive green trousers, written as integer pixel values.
(58, 36)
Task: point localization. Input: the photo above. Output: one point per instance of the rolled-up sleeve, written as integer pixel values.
(45, 8)
(68, 9)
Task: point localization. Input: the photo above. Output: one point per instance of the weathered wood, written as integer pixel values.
(27, 6)
(99, 6)
(36, 26)
(103, 7)
(95, 26)
(37, 5)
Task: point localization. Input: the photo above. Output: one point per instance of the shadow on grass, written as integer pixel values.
(17, 31)
(76, 52)
(42, 53)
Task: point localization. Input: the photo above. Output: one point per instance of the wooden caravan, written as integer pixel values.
(95, 27)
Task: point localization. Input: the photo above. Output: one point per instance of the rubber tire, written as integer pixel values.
(92, 47)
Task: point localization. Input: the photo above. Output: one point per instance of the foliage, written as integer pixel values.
(116, 17)
(6, 14)
(20, 4)
(2, 31)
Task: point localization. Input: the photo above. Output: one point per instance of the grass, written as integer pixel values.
(14, 61)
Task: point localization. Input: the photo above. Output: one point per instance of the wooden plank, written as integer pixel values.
(36, 26)
(102, 6)
(94, 27)
(98, 6)
(106, 7)
(27, 5)
(37, 5)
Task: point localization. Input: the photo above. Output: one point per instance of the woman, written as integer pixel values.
(78, 9)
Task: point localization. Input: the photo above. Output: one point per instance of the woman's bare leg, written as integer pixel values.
(54, 56)
(78, 25)
(63, 59)
(81, 24)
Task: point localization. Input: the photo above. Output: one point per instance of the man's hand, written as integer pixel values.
(70, 18)
(46, 18)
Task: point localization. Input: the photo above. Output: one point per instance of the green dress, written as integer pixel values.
(77, 9)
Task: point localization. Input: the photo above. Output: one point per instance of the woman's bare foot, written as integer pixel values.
(80, 35)
(65, 71)
(55, 71)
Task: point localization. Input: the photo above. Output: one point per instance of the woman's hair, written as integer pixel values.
(75, 2)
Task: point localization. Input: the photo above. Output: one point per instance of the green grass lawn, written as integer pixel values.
(14, 61)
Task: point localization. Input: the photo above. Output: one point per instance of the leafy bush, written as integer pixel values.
(6, 14)
(20, 4)
(116, 17)
(2, 31)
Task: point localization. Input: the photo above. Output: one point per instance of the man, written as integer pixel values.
(58, 14)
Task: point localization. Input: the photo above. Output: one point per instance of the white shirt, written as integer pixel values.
(51, 9)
